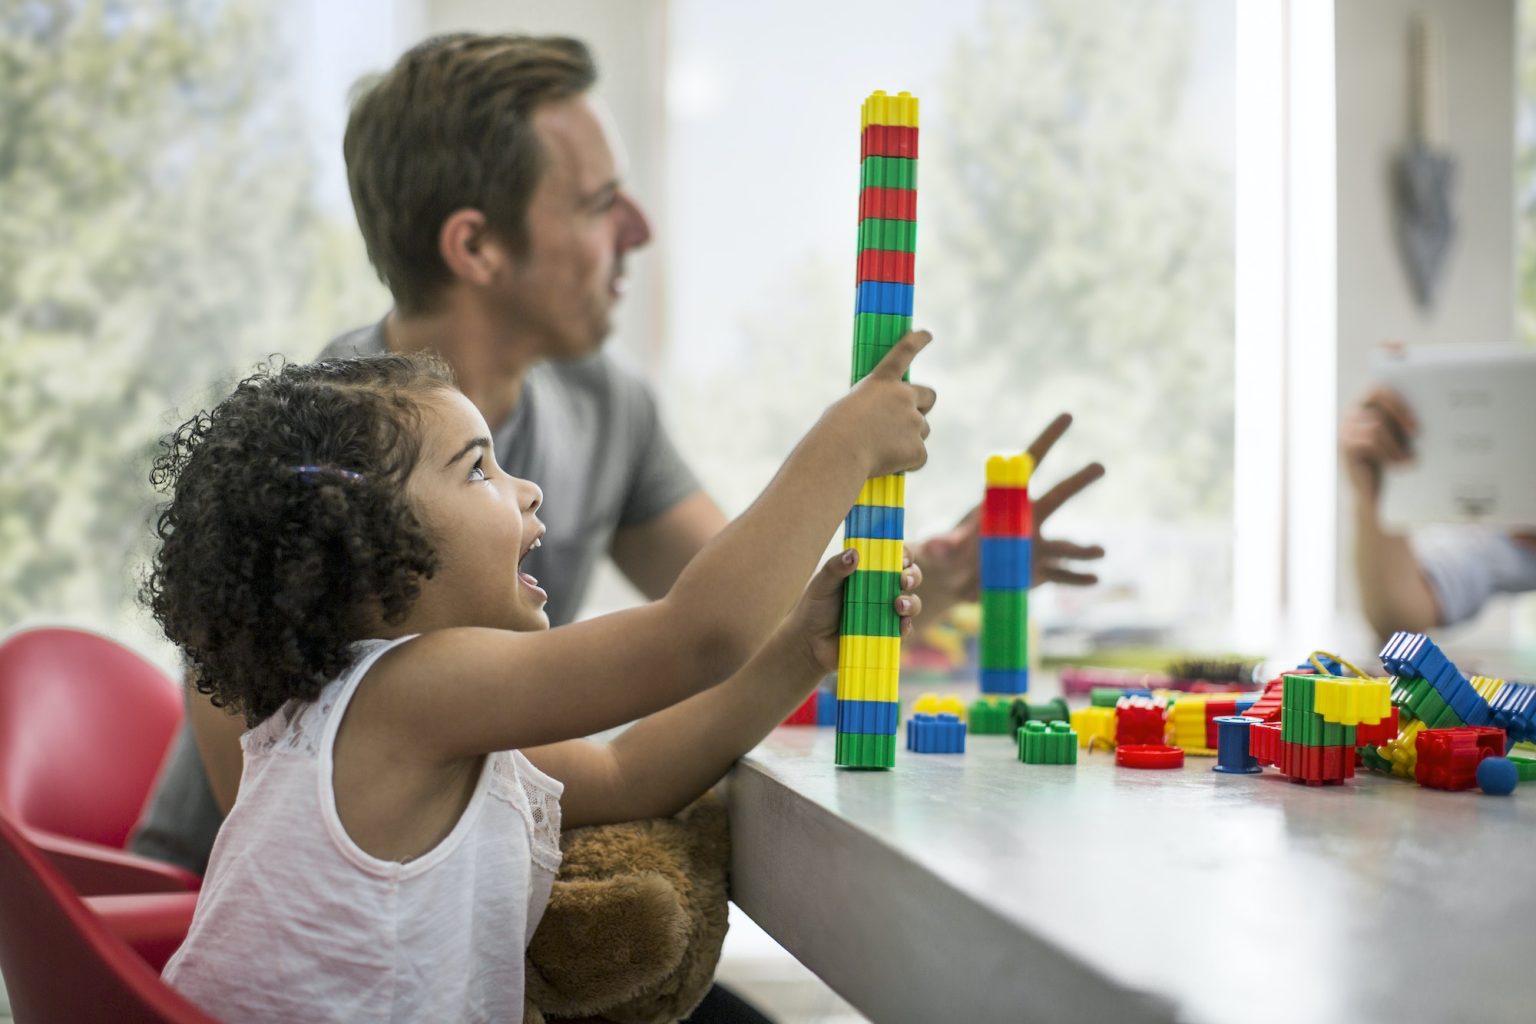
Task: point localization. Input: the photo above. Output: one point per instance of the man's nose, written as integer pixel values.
(637, 228)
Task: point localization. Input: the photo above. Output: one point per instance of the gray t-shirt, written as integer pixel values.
(589, 434)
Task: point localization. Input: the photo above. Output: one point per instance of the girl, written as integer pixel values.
(339, 561)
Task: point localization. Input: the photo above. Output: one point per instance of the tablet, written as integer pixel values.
(1475, 453)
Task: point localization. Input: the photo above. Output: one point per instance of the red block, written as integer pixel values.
(1267, 707)
(1264, 742)
(1215, 709)
(888, 203)
(805, 714)
(1375, 735)
(888, 140)
(1006, 512)
(884, 265)
(1448, 758)
(1315, 765)
(1141, 724)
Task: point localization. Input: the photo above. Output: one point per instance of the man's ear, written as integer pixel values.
(467, 246)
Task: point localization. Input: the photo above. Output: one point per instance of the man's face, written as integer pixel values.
(581, 225)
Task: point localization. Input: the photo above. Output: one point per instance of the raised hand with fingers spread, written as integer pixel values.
(951, 560)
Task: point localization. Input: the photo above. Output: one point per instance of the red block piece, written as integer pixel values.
(1375, 735)
(1315, 765)
(1006, 512)
(1264, 742)
(1267, 707)
(884, 265)
(1139, 721)
(888, 203)
(888, 140)
(1448, 758)
(805, 714)
(1215, 709)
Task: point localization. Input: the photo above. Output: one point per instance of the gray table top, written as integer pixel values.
(977, 888)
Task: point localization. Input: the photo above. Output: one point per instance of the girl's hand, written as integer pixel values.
(817, 618)
(885, 417)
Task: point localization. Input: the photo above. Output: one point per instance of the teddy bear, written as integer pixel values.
(635, 921)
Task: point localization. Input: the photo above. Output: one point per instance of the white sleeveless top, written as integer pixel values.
(296, 923)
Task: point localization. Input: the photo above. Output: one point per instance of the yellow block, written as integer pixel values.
(899, 110)
(1403, 751)
(876, 555)
(1486, 688)
(884, 491)
(1091, 722)
(933, 704)
(1352, 701)
(1010, 470)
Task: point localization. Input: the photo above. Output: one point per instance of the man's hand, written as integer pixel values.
(953, 560)
(1376, 432)
(817, 619)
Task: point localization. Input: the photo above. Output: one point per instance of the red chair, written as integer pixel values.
(84, 724)
(62, 962)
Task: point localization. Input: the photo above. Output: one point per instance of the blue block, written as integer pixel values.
(885, 297)
(1005, 563)
(1005, 680)
(935, 734)
(879, 522)
(873, 717)
(1243, 703)
(826, 708)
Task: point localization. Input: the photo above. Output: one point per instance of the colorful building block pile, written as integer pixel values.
(1040, 743)
(868, 663)
(1320, 721)
(1006, 524)
(1192, 719)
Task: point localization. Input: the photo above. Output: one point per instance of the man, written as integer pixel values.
(1439, 578)
(489, 195)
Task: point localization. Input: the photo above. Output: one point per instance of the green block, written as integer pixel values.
(1104, 696)
(891, 235)
(862, 618)
(865, 750)
(1525, 767)
(888, 172)
(1430, 706)
(880, 329)
(1335, 735)
(1004, 629)
(1375, 762)
(866, 587)
(1297, 692)
(1047, 744)
(988, 717)
(1400, 692)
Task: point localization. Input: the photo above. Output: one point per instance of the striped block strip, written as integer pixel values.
(869, 651)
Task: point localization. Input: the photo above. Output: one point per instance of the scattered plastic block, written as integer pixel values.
(942, 733)
(1140, 721)
(989, 717)
(1094, 723)
(1148, 755)
(1233, 756)
(1047, 744)
(1448, 758)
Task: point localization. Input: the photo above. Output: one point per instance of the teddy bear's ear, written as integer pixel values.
(603, 942)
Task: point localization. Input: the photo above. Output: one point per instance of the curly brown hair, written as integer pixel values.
(287, 528)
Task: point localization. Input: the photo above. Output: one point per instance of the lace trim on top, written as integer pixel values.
(514, 781)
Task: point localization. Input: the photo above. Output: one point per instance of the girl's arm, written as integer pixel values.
(462, 692)
(662, 764)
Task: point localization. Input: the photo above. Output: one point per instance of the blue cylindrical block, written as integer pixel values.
(1232, 755)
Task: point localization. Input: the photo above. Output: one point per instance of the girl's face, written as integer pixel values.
(481, 522)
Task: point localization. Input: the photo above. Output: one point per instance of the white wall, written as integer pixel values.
(1476, 302)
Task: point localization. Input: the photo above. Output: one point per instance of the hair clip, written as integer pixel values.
(310, 474)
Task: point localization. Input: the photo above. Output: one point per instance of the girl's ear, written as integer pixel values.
(468, 248)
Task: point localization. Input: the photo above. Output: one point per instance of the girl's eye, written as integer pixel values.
(477, 473)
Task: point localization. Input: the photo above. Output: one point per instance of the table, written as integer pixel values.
(977, 888)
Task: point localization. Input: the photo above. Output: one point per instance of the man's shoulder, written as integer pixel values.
(362, 341)
(603, 376)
